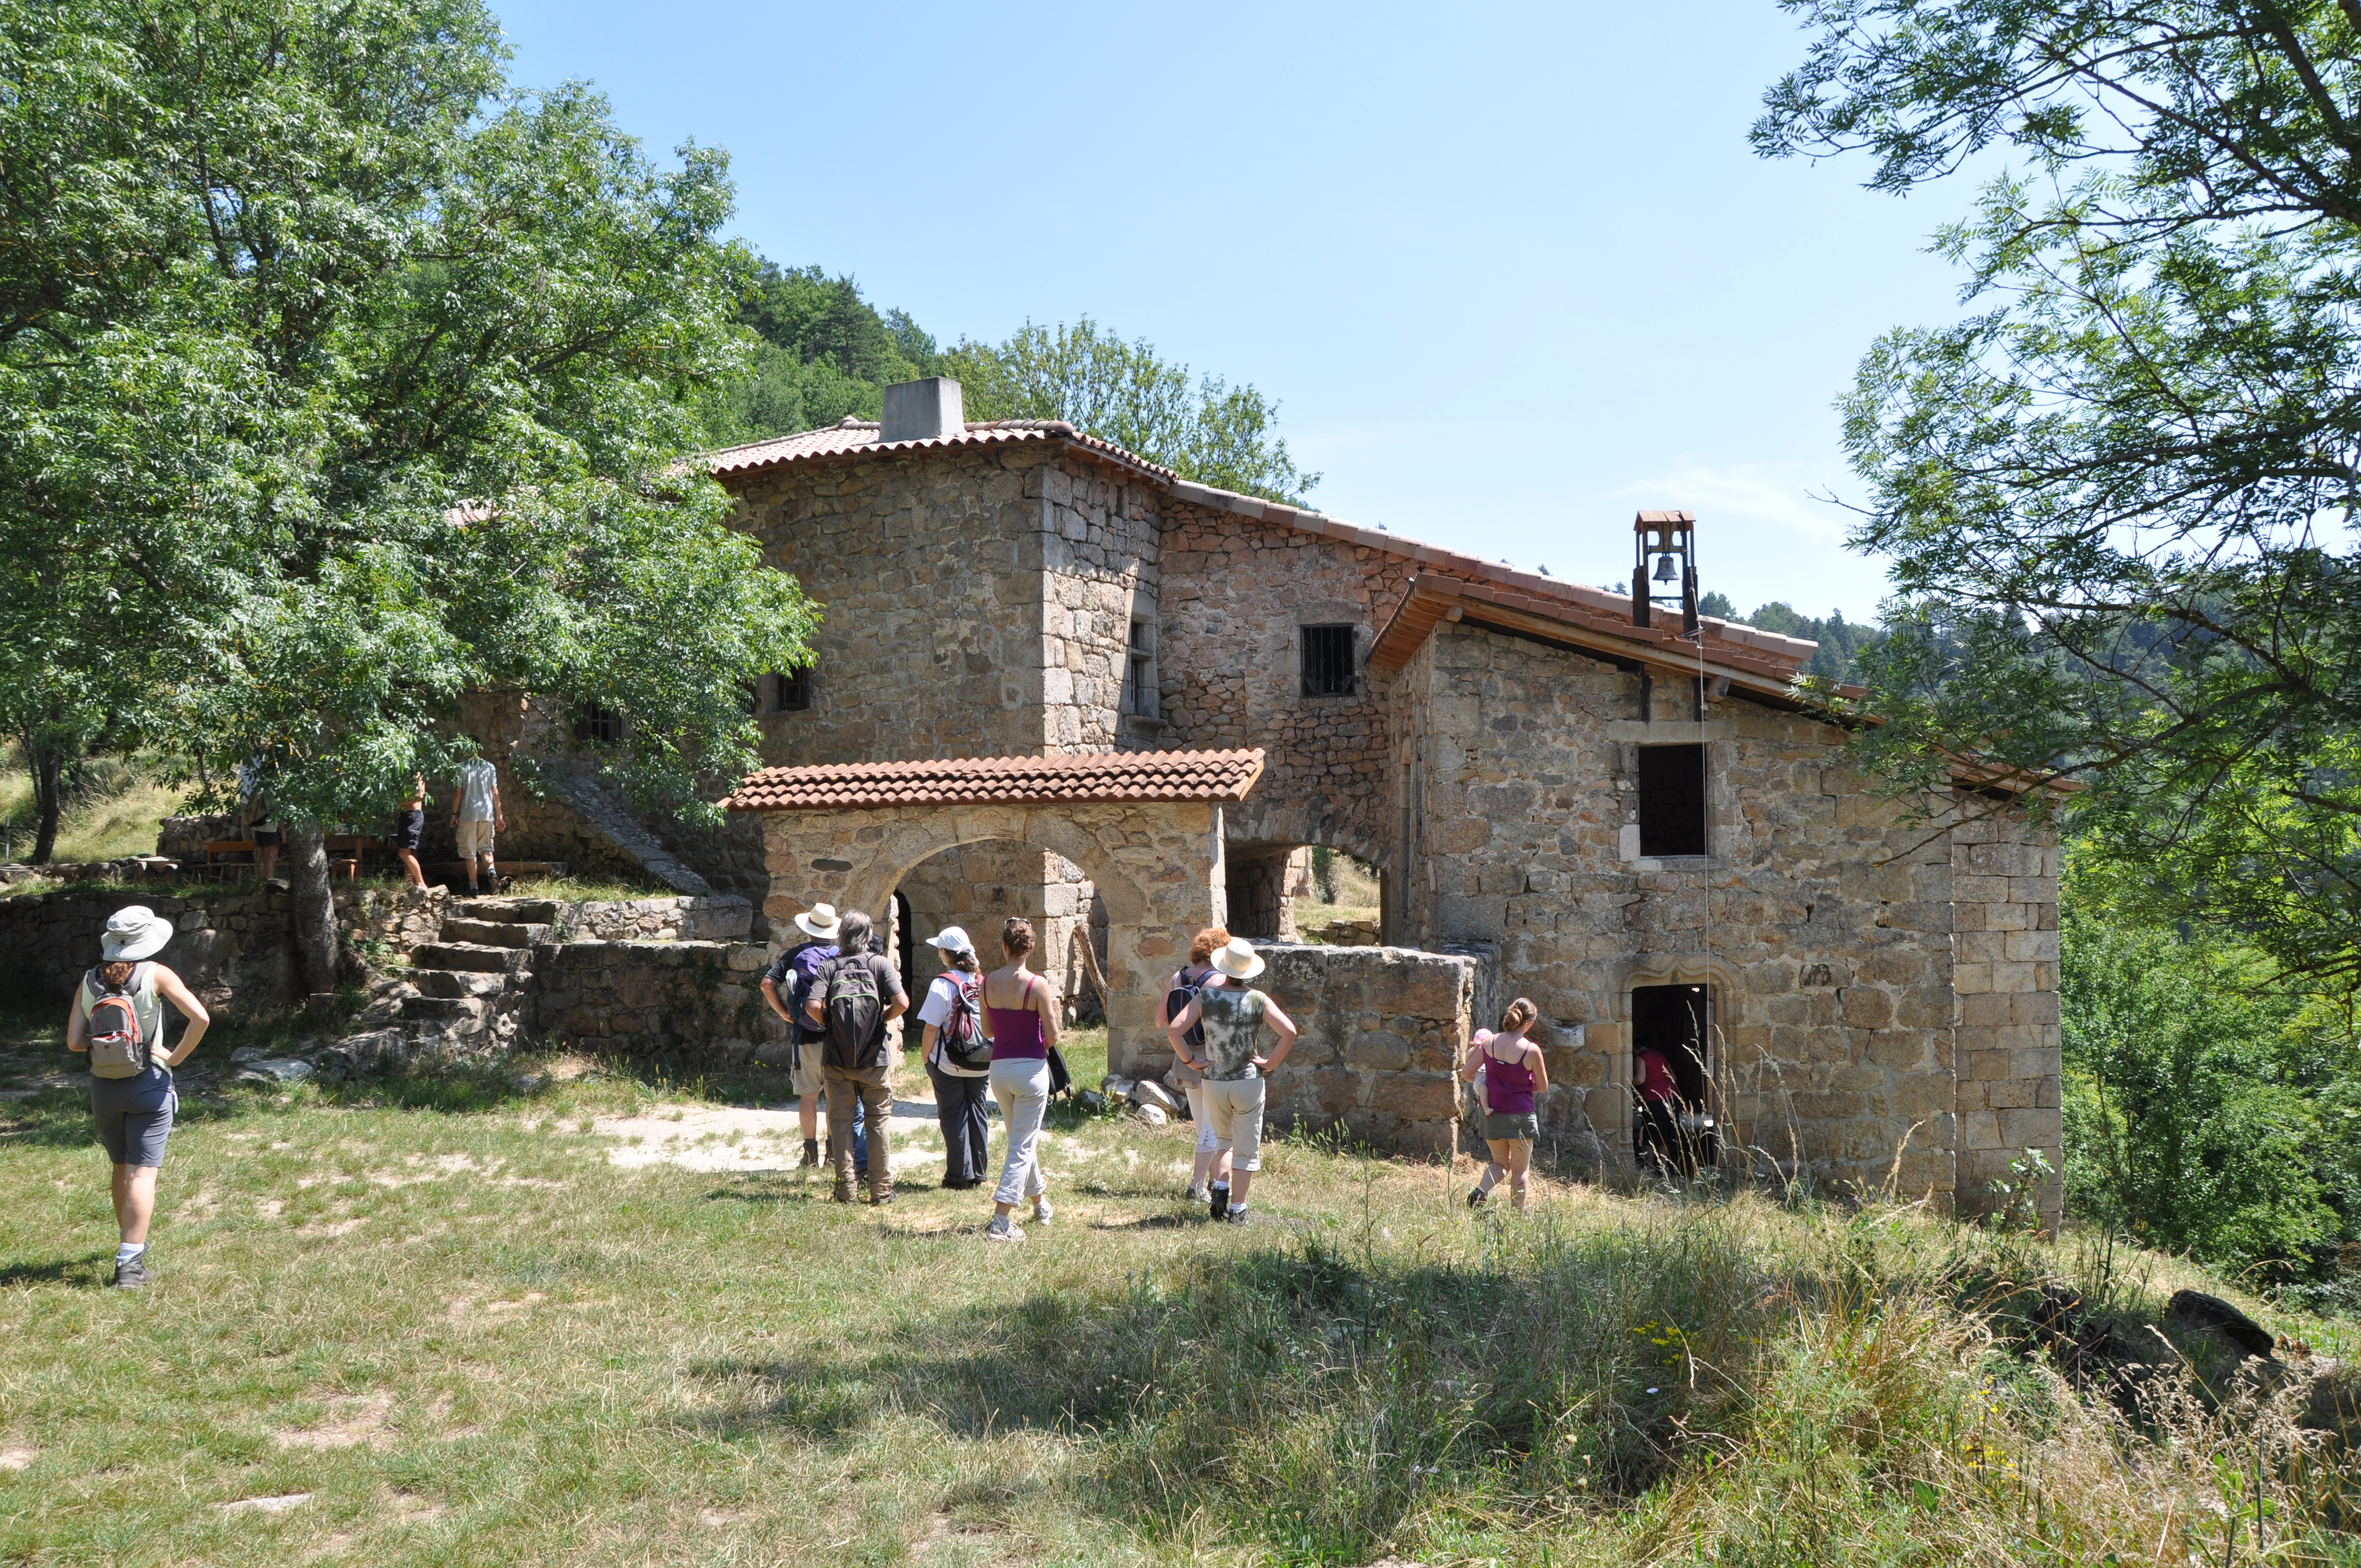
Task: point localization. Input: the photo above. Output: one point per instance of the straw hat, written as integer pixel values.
(134, 932)
(819, 921)
(1238, 960)
(951, 939)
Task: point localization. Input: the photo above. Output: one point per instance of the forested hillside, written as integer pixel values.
(1841, 640)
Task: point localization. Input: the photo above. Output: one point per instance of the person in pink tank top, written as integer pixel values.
(1513, 1071)
(1020, 1018)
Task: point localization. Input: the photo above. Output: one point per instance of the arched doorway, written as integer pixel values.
(1145, 828)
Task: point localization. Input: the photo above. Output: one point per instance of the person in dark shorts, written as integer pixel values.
(1514, 1072)
(408, 829)
(131, 1095)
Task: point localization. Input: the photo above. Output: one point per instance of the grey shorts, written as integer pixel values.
(133, 1118)
(1501, 1126)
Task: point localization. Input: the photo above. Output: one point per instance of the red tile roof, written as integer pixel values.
(858, 438)
(987, 781)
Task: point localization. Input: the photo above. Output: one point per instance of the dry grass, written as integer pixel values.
(439, 1312)
(110, 822)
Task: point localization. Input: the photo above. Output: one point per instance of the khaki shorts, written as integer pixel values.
(808, 1077)
(1233, 1105)
(475, 839)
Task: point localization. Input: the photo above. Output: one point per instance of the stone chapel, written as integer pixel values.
(1650, 833)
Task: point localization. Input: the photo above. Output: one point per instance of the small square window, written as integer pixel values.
(795, 689)
(1327, 661)
(598, 725)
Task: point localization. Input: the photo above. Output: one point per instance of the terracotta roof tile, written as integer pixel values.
(858, 438)
(997, 780)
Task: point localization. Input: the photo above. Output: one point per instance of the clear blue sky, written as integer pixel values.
(1513, 273)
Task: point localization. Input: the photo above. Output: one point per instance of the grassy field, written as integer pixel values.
(447, 1318)
(115, 819)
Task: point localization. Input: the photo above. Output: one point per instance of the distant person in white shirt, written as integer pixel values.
(477, 816)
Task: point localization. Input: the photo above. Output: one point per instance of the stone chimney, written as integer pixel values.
(923, 410)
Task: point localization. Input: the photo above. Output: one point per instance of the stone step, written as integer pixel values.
(462, 982)
(469, 955)
(498, 933)
(532, 910)
(462, 1011)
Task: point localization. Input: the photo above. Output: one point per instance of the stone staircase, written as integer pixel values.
(471, 992)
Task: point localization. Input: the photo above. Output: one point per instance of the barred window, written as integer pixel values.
(1327, 661)
(795, 690)
(601, 725)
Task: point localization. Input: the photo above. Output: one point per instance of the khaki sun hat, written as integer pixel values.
(819, 921)
(1238, 960)
(134, 932)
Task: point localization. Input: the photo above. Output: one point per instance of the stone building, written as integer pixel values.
(1653, 833)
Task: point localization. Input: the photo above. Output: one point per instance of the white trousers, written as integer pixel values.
(1021, 1086)
(1202, 1117)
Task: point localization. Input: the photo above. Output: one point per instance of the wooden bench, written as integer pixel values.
(219, 854)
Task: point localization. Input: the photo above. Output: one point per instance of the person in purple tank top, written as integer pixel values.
(1514, 1072)
(1020, 1019)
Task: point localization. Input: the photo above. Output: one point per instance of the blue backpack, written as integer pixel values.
(802, 964)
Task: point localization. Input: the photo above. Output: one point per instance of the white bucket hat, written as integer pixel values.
(134, 932)
(819, 921)
(1238, 960)
(951, 939)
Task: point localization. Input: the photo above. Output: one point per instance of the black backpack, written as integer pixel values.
(1176, 1002)
(853, 1015)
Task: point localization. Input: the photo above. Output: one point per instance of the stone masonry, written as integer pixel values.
(1881, 975)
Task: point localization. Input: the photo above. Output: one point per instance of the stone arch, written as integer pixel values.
(1157, 864)
(1262, 835)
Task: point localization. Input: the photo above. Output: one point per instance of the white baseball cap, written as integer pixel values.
(951, 939)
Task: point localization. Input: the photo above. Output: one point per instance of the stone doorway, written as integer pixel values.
(1145, 828)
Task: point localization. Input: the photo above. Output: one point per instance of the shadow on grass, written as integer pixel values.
(92, 1269)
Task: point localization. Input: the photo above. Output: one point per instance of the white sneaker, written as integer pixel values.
(1001, 1230)
(1200, 1193)
(1041, 1209)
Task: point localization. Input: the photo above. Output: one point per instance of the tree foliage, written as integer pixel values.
(2207, 1111)
(337, 379)
(2119, 495)
(1205, 430)
(1841, 640)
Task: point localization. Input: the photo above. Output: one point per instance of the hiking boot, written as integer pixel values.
(812, 1155)
(1236, 1216)
(879, 1199)
(1003, 1230)
(841, 1195)
(131, 1274)
(1041, 1209)
(1476, 1197)
(1218, 1203)
(1200, 1193)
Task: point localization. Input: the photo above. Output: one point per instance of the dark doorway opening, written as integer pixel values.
(904, 947)
(1672, 800)
(1681, 1132)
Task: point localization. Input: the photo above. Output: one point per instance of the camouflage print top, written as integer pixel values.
(1232, 1022)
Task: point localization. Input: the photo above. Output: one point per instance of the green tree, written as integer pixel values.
(389, 401)
(1207, 430)
(821, 353)
(1841, 640)
(2119, 496)
(2198, 1103)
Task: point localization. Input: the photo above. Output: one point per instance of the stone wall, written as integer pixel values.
(1383, 1031)
(978, 887)
(1821, 919)
(2005, 942)
(714, 918)
(233, 949)
(1235, 590)
(679, 1005)
(929, 569)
